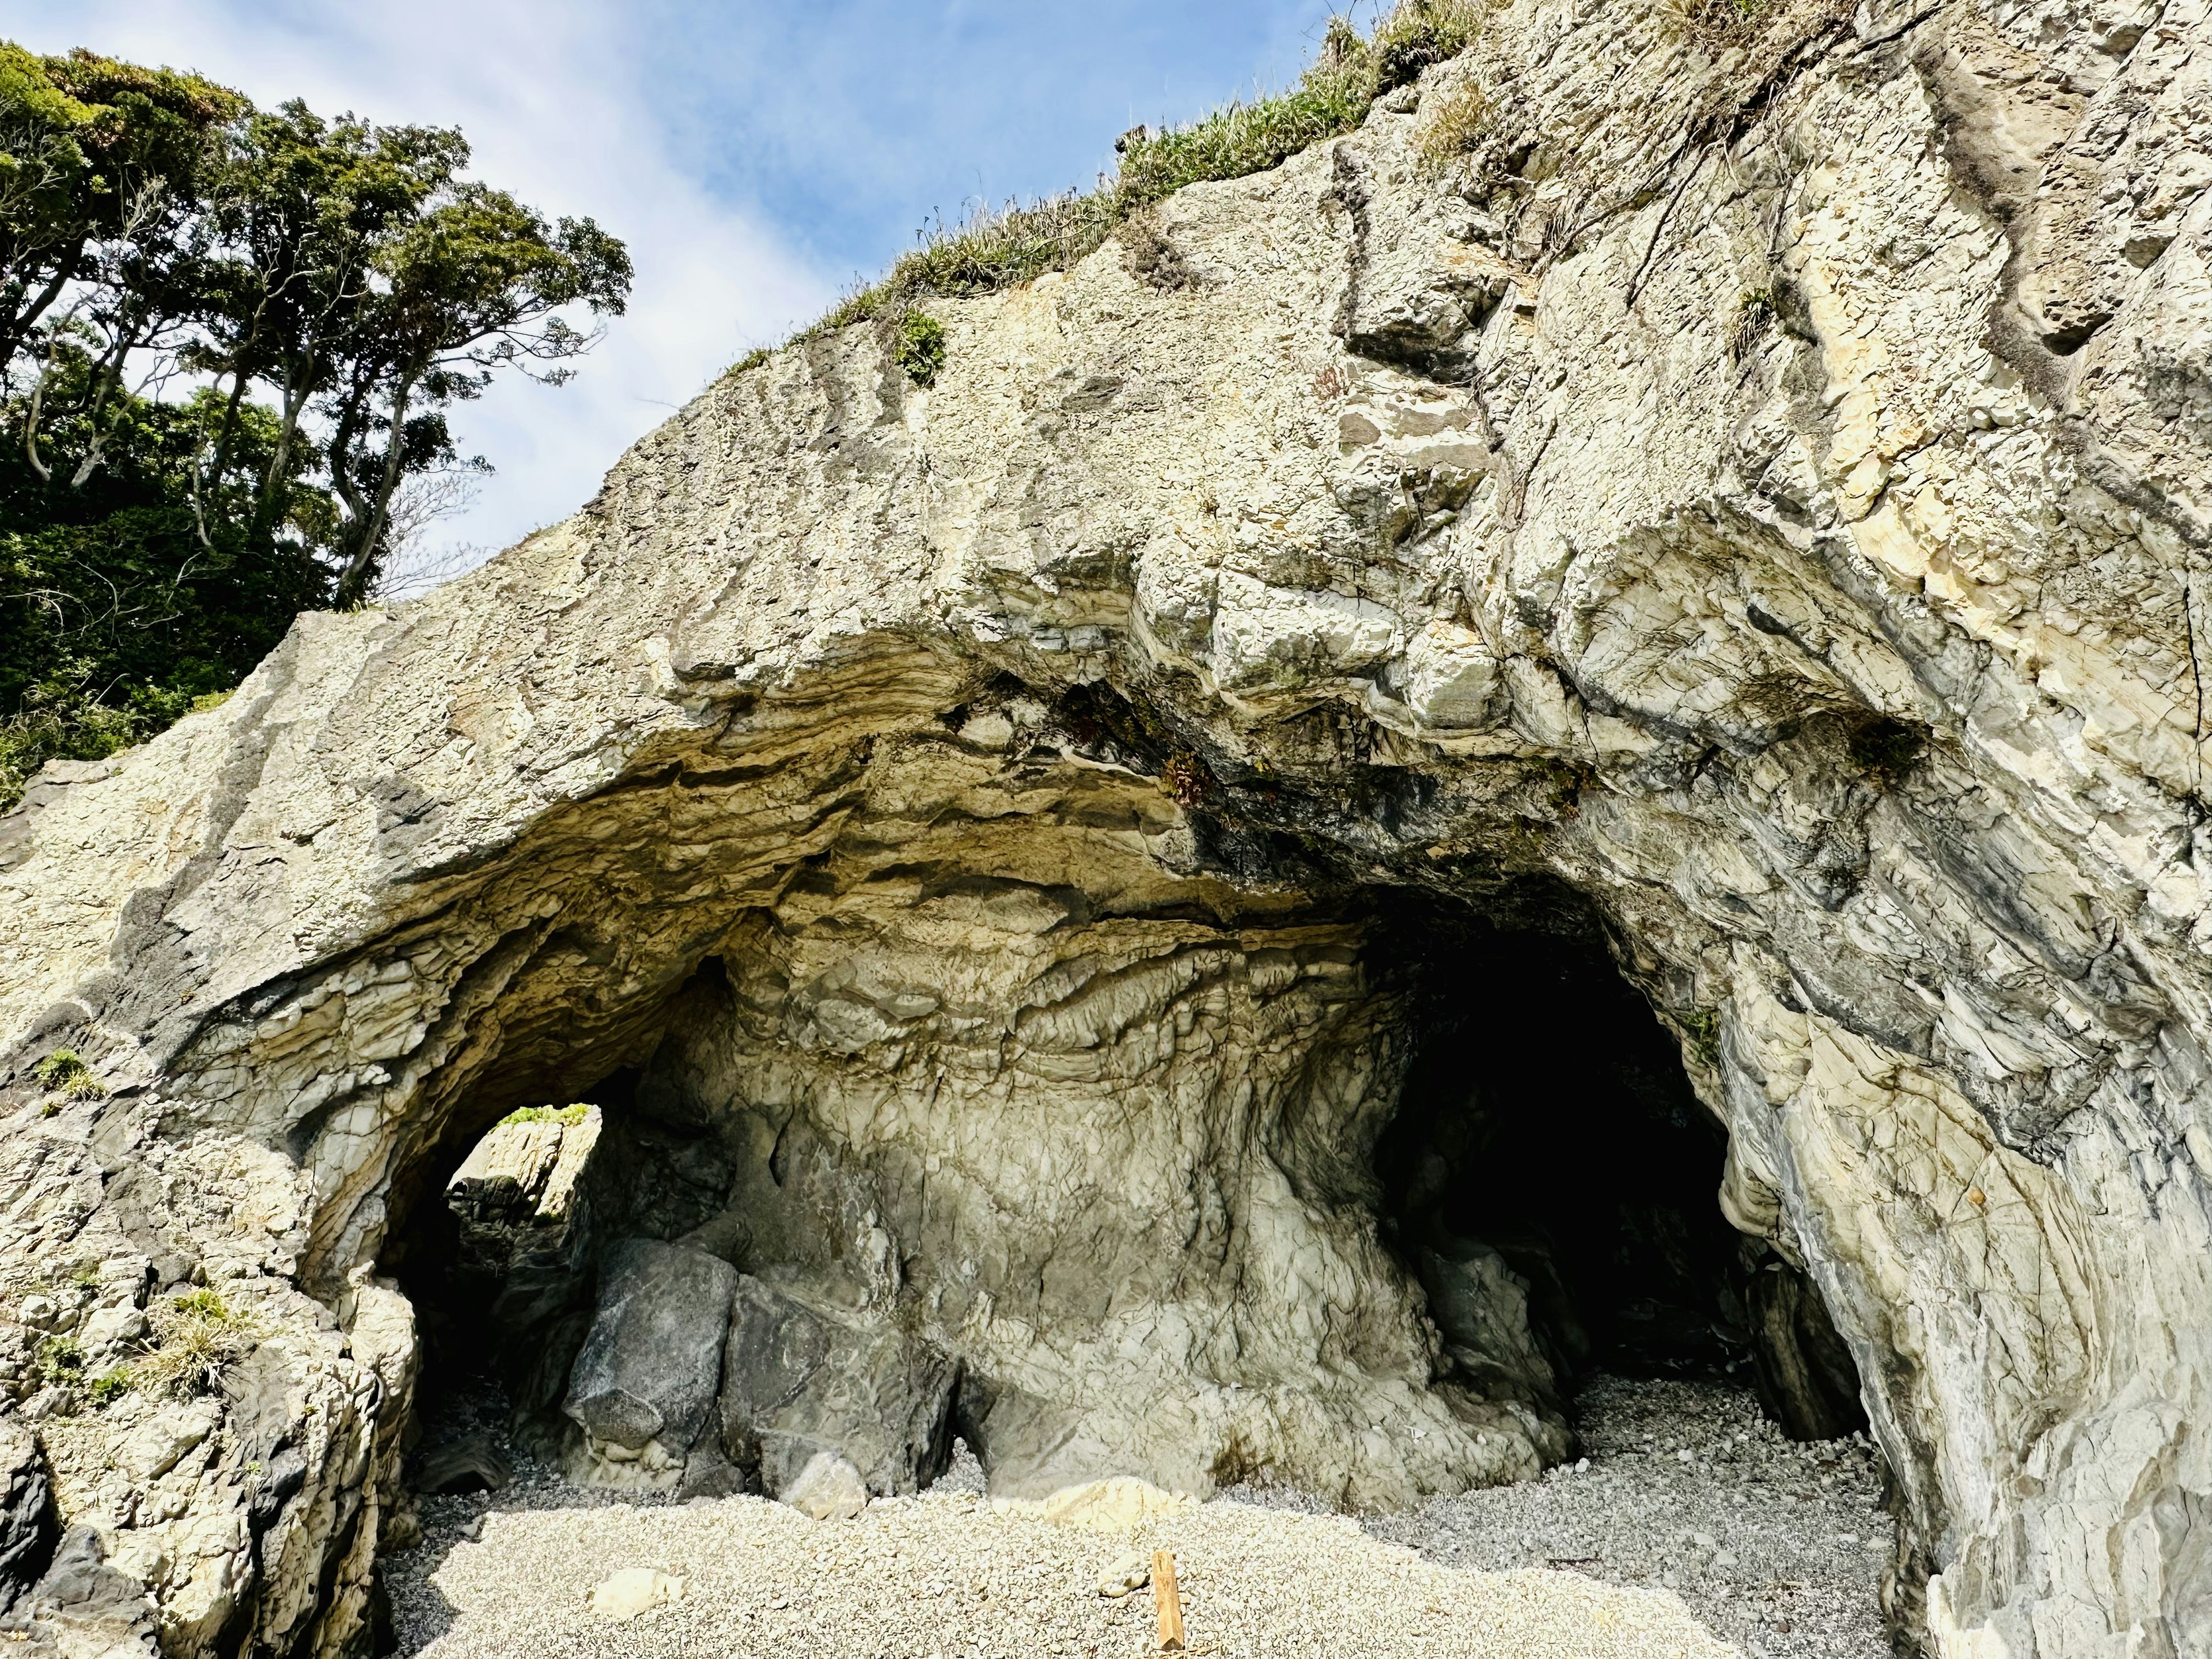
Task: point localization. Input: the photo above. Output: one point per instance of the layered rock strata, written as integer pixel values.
(1762, 487)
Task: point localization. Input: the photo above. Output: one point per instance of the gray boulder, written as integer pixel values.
(651, 1362)
(27, 1512)
(799, 1381)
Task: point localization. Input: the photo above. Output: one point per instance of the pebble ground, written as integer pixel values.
(1604, 1563)
(1778, 1545)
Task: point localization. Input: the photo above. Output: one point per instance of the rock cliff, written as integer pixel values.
(1751, 492)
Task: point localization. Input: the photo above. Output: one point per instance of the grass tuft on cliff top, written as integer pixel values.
(999, 247)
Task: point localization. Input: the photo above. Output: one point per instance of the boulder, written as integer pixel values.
(799, 1381)
(1480, 1307)
(622, 1595)
(653, 1361)
(27, 1527)
(828, 1488)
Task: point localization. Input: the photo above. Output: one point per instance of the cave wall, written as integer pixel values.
(1763, 488)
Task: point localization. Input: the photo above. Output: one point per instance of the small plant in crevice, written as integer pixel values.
(109, 1386)
(65, 1073)
(1703, 1027)
(1754, 315)
(196, 1338)
(1455, 123)
(1717, 22)
(917, 346)
(60, 1360)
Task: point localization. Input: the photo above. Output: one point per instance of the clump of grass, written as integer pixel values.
(196, 1337)
(917, 346)
(1754, 312)
(1416, 35)
(109, 1386)
(1717, 22)
(566, 1115)
(64, 1072)
(1458, 122)
(1000, 248)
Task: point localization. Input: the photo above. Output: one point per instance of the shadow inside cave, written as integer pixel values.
(1548, 1134)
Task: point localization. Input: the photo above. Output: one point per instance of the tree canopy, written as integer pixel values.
(228, 340)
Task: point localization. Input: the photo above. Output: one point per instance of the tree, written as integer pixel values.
(475, 284)
(169, 257)
(92, 151)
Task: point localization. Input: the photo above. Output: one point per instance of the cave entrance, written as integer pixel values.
(1547, 1131)
(495, 1256)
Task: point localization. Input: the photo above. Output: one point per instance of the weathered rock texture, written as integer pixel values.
(1767, 490)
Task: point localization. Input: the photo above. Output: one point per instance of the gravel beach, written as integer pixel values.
(1595, 1563)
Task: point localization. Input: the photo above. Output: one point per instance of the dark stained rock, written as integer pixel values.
(651, 1364)
(798, 1380)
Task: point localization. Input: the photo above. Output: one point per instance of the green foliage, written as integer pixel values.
(917, 346)
(569, 1116)
(1000, 248)
(1703, 1027)
(109, 1386)
(196, 1336)
(59, 1360)
(229, 339)
(64, 1072)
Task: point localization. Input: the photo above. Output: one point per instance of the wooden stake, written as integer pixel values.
(1170, 1600)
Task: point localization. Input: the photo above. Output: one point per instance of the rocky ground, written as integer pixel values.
(1777, 1546)
(1773, 1547)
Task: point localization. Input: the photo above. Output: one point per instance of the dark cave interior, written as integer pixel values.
(1546, 1116)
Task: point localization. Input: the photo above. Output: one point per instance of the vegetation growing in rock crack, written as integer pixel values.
(228, 341)
(999, 247)
(59, 1360)
(917, 346)
(64, 1072)
(195, 1338)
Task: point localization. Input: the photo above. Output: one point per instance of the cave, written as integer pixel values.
(1547, 1125)
(1779, 596)
(1532, 1154)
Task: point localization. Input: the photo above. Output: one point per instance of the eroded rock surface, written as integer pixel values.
(1760, 490)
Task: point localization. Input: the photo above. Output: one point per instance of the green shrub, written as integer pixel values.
(64, 1072)
(917, 346)
(109, 1386)
(59, 1359)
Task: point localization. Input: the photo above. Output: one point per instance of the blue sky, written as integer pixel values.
(757, 157)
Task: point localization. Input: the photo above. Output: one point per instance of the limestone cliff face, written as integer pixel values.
(1769, 490)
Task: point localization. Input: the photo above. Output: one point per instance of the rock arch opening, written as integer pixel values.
(1411, 1166)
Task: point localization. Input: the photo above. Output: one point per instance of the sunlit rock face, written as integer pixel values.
(1762, 492)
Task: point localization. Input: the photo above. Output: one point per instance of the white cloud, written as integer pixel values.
(554, 102)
